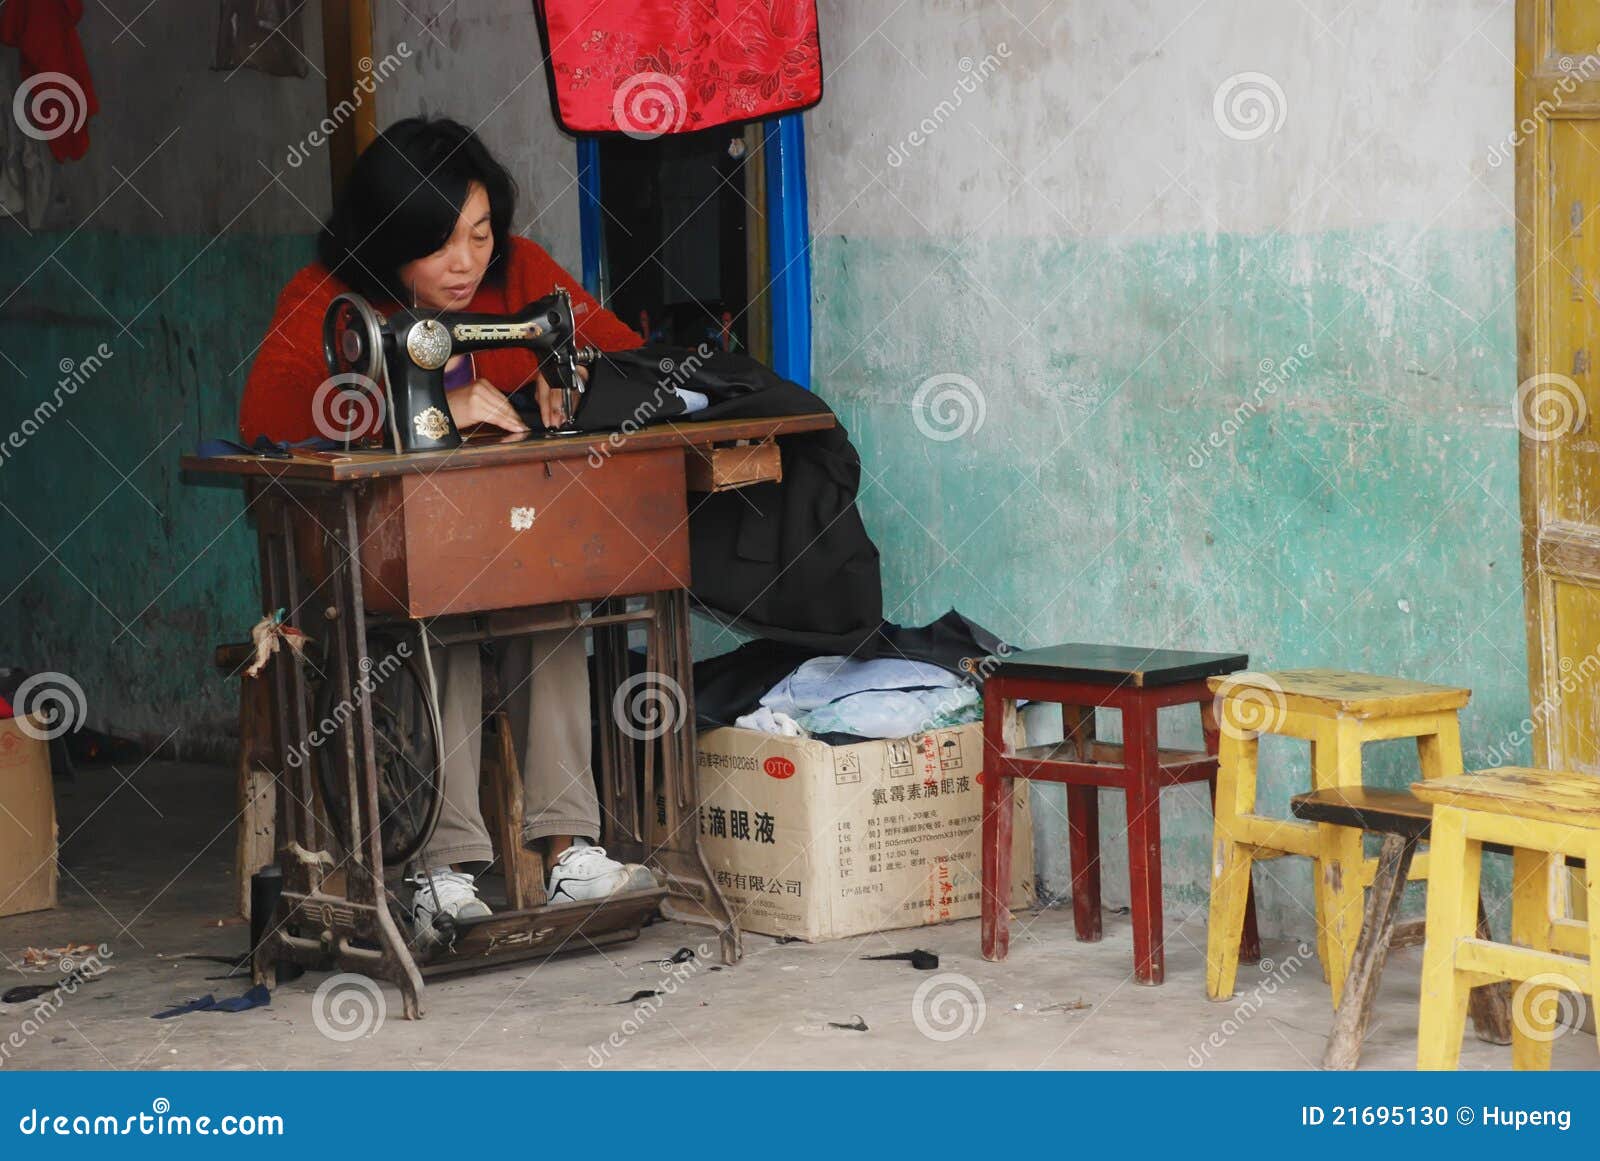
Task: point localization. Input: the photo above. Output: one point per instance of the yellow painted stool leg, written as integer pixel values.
(1592, 875)
(1439, 754)
(1320, 767)
(1534, 1004)
(1230, 861)
(1341, 868)
(1452, 917)
(1319, 901)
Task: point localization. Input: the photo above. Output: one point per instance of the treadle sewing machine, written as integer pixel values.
(478, 538)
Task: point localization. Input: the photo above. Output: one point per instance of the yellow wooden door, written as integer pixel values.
(1557, 148)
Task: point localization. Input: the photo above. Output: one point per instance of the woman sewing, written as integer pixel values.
(424, 221)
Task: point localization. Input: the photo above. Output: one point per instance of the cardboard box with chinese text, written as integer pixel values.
(27, 822)
(822, 842)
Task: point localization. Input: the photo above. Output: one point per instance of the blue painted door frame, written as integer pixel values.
(788, 239)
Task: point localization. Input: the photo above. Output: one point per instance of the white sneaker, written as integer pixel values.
(584, 872)
(447, 892)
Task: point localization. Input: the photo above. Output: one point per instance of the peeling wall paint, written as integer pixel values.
(118, 571)
(1138, 475)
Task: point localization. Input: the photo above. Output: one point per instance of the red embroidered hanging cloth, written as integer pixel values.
(651, 67)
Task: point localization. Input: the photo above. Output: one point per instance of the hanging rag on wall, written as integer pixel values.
(647, 68)
(265, 35)
(25, 165)
(56, 97)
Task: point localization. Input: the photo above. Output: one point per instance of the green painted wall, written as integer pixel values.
(116, 571)
(1364, 516)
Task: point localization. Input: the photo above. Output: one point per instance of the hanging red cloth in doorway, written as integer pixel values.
(56, 97)
(651, 67)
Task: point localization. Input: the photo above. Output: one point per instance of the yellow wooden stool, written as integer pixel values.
(1336, 712)
(1544, 816)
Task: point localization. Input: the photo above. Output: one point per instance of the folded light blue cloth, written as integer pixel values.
(823, 679)
(895, 713)
(881, 698)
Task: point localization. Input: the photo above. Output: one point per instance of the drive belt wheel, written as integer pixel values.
(406, 750)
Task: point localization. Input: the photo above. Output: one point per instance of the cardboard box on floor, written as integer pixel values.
(27, 822)
(822, 842)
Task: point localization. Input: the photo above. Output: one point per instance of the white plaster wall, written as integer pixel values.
(178, 148)
(208, 151)
(1100, 120)
(481, 63)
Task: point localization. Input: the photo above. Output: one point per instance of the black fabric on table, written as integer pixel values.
(789, 561)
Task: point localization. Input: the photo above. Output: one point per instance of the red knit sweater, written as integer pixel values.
(288, 368)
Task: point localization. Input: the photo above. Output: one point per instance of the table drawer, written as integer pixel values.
(525, 534)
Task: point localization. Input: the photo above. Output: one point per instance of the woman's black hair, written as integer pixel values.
(403, 199)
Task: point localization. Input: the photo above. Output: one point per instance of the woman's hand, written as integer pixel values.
(553, 403)
(482, 402)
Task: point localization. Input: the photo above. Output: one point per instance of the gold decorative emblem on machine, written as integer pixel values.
(428, 344)
(431, 423)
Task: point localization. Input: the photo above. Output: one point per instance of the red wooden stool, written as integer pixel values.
(1137, 682)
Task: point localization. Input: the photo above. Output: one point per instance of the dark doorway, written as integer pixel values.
(678, 215)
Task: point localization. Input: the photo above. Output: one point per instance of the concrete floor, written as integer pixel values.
(146, 869)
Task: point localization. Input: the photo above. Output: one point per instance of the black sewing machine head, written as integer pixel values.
(403, 358)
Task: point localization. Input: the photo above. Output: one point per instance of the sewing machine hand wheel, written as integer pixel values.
(352, 398)
(407, 753)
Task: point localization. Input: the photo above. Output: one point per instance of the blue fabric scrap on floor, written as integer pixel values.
(256, 997)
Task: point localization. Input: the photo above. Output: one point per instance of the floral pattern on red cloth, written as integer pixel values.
(651, 67)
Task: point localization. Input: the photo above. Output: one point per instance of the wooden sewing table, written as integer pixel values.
(500, 537)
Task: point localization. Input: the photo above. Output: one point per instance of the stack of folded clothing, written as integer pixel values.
(881, 698)
(908, 681)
